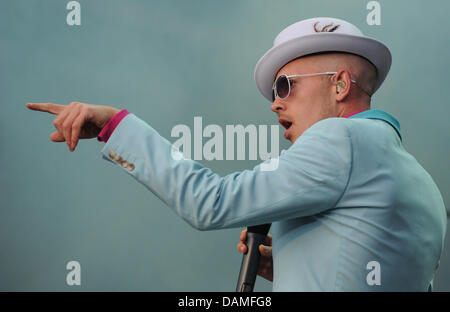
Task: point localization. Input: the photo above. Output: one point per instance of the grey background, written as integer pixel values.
(168, 61)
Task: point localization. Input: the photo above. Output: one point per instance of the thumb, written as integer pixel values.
(265, 250)
(57, 137)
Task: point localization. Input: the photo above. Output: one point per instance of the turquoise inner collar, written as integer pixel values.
(381, 115)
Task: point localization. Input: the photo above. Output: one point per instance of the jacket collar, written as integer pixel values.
(381, 115)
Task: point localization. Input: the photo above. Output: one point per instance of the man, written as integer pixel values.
(350, 209)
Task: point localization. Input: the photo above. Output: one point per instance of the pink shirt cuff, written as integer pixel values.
(111, 125)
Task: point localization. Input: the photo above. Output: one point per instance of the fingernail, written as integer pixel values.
(241, 248)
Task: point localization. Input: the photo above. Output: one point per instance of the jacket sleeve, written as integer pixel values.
(310, 177)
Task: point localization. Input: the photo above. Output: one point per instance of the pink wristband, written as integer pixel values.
(111, 125)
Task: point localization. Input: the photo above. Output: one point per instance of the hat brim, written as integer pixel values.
(274, 59)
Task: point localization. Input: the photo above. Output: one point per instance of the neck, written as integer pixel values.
(351, 110)
(355, 113)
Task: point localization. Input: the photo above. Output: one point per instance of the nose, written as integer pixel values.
(277, 106)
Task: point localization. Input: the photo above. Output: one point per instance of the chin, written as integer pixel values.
(293, 138)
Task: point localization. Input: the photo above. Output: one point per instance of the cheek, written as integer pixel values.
(304, 96)
(299, 94)
(316, 94)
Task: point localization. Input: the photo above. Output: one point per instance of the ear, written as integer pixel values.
(342, 81)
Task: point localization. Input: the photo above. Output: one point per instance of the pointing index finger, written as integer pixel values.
(46, 107)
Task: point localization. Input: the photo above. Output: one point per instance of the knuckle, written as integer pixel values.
(84, 109)
(76, 124)
(66, 124)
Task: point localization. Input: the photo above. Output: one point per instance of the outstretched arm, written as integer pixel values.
(311, 175)
(310, 178)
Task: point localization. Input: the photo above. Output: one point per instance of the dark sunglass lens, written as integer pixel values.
(282, 86)
(273, 95)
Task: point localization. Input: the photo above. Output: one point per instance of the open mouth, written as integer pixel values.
(287, 125)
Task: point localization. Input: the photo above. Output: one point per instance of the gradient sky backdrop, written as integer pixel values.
(168, 61)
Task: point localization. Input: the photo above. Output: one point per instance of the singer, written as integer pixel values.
(351, 209)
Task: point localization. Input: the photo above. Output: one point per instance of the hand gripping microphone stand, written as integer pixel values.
(256, 235)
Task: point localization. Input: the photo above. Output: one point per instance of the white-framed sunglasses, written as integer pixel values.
(282, 86)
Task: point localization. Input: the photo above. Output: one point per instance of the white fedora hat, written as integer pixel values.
(320, 34)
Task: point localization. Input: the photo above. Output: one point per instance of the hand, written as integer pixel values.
(265, 269)
(76, 121)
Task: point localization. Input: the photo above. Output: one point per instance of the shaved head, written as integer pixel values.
(363, 71)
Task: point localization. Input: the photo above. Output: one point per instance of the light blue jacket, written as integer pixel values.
(351, 209)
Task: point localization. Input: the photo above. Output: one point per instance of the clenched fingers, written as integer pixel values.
(242, 248)
(265, 250)
(68, 124)
(243, 238)
(76, 127)
(59, 120)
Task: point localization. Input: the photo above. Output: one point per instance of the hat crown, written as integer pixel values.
(316, 26)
